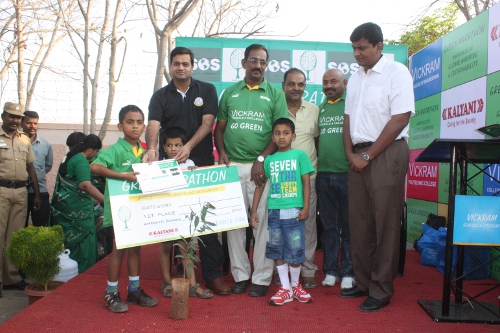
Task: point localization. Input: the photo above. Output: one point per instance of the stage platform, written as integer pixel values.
(77, 307)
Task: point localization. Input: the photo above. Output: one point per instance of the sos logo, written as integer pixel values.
(344, 67)
(205, 64)
(275, 66)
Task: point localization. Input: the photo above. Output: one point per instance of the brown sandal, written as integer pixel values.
(166, 289)
(203, 295)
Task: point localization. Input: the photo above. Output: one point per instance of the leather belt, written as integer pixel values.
(363, 144)
(369, 143)
(12, 184)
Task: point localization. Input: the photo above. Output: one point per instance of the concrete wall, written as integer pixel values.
(57, 133)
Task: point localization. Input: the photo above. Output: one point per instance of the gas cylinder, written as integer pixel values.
(68, 268)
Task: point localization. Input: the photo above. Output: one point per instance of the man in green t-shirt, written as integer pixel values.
(331, 183)
(247, 111)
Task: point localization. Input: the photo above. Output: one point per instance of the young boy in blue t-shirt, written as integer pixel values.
(288, 203)
(116, 162)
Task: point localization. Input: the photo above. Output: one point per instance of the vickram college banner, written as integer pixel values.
(456, 81)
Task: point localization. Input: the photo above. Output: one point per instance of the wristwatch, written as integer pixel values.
(260, 159)
(365, 156)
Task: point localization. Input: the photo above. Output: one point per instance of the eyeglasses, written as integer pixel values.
(255, 61)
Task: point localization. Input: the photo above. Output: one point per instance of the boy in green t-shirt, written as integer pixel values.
(116, 162)
(288, 203)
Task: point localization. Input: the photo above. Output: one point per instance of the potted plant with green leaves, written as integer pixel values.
(180, 286)
(35, 250)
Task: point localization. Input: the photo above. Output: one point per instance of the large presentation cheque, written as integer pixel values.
(212, 199)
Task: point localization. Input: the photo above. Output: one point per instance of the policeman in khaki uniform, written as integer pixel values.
(16, 164)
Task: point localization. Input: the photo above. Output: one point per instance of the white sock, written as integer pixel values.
(294, 275)
(283, 273)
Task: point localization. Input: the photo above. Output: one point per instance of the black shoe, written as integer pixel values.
(258, 290)
(352, 292)
(240, 287)
(21, 285)
(138, 296)
(372, 304)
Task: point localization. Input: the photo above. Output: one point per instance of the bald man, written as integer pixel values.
(331, 184)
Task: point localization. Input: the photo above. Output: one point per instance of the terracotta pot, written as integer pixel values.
(36, 291)
(180, 297)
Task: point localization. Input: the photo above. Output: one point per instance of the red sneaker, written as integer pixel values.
(281, 297)
(301, 295)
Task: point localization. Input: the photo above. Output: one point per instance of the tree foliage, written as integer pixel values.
(428, 29)
(472, 8)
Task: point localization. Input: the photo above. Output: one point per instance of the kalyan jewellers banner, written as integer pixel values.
(456, 81)
(212, 202)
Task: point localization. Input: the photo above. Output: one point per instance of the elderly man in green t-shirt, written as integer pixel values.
(247, 111)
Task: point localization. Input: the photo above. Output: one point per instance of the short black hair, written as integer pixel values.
(293, 70)
(181, 50)
(74, 139)
(284, 121)
(174, 133)
(31, 114)
(256, 47)
(126, 109)
(371, 31)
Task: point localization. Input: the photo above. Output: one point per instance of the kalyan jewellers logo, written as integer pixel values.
(463, 109)
(494, 33)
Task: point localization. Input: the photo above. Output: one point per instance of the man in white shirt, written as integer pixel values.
(379, 105)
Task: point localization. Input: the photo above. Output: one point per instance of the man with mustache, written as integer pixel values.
(43, 164)
(305, 117)
(16, 164)
(378, 107)
(247, 111)
(332, 184)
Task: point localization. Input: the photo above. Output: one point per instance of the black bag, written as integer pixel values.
(433, 221)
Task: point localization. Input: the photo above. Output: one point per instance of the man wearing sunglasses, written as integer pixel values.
(247, 111)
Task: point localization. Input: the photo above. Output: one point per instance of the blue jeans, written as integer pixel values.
(333, 212)
(287, 239)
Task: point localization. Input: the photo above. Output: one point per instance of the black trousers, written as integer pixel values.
(39, 218)
(211, 257)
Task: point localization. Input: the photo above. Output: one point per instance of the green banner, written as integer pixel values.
(418, 211)
(465, 52)
(425, 124)
(218, 61)
(493, 99)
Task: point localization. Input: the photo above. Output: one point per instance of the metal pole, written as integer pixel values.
(445, 310)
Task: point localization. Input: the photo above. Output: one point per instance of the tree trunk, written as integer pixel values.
(160, 64)
(20, 52)
(112, 64)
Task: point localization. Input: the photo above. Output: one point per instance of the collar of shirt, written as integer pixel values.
(302, 106)
(18, 132)
(378, 68)
(262, 85)
(183, 94)
(173, 88)
(137, 149)
(333, 102)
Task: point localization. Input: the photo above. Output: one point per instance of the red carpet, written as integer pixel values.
(76, 307)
